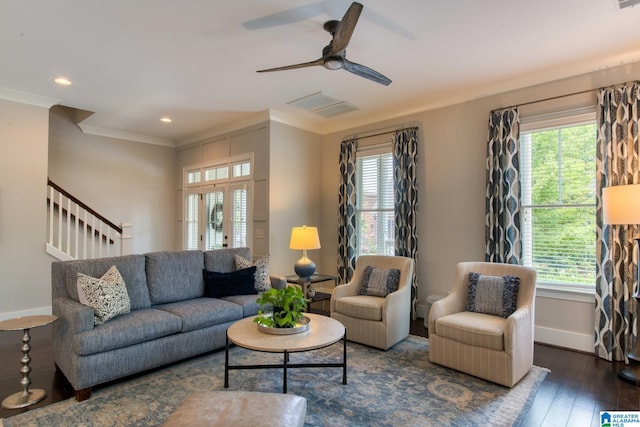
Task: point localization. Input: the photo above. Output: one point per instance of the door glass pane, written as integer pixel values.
(191, 222)
(239, 218)
(214, 233)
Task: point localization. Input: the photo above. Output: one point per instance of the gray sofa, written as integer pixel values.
(170, 319)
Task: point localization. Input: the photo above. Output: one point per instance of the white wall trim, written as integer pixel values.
(27, 98)
(127, 136)
(23, 313)
(566, 339)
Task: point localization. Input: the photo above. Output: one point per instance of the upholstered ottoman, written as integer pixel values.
(239, 409)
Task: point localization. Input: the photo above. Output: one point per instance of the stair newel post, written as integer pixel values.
(125, 238)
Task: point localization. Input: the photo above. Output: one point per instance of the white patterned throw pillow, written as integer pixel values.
(107, 296)
(262, 282)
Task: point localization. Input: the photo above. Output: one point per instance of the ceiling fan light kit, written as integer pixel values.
(334, 54)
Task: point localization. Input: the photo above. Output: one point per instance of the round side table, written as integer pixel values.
(25, 397)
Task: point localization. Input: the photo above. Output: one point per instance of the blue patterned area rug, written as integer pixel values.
(399, 387)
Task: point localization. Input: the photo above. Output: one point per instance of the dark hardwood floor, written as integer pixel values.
(578, 387)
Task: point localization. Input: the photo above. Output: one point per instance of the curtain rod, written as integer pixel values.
(551, 98)
(383, 133)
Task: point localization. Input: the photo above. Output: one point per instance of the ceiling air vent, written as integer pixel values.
(627, 3)
(323, 105)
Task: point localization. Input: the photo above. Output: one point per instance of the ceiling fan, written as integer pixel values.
(334, 54)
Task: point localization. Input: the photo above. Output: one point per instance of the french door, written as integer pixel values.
(216, 218)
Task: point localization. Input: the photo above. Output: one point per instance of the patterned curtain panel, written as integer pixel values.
(347, 211)
(616, 268)
(405, 160)
(503, 204)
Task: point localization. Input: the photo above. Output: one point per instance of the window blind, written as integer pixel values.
(559, 201)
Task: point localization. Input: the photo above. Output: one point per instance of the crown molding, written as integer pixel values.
(27, 98)
(127, 136)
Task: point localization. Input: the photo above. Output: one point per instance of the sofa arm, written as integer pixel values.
(278, 282)
(452, 303)
(73, 317)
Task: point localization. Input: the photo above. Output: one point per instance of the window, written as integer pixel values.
(374, 202)
(216, 210)
(558, 166)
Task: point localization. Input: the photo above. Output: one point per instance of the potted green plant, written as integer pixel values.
(288, 305)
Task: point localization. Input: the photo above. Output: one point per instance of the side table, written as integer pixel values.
(25, 397)
(316, 278)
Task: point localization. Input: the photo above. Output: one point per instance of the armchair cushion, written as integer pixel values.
(476, 329)
(492, 294)
(379, 282)
(361, 307)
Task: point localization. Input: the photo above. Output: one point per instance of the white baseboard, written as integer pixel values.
(566, 339)
(23, 313)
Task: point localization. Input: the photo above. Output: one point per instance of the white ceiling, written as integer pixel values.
(132, 62)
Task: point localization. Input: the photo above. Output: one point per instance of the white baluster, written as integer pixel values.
(51, 213)
(68, 248)
(84, 234)
(60, 204)
(77, 229)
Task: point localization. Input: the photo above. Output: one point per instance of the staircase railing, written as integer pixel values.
(76, 231)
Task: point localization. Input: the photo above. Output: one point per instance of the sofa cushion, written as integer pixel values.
(262, 282)
(222, 260)
(107, 295)
(240, 282)
(203, 312)
(361, 307)
(131, 268)
(492, 295)
(379, 282)
(248, 303)
(475, 329)
(123, 331)
(174, 276)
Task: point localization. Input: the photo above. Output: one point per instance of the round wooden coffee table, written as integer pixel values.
(323, 331)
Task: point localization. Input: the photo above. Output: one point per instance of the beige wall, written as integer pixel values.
(294, 194)
(24, 265)
(451, 179)
(123, 180)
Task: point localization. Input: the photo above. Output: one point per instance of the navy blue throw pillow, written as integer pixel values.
(239, 282)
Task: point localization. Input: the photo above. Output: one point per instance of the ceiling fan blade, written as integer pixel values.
(291, 67)
(366, 72)
(345, 29)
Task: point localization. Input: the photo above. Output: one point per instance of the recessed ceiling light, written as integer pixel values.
(62, 81)
(166, 120)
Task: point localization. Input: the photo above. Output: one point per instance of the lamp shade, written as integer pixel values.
(304, 238)
(621, 204)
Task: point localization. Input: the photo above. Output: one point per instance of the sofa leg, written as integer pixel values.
(82, 394)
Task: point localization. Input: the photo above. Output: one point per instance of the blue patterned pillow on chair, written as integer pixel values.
(493, 295)
(378, 282)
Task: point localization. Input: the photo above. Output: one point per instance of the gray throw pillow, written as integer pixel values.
(379, 282)
(493, 295)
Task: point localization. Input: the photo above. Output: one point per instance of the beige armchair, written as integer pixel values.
(372, 320)
(484, 345)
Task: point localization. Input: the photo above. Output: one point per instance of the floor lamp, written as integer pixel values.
(621, 205)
